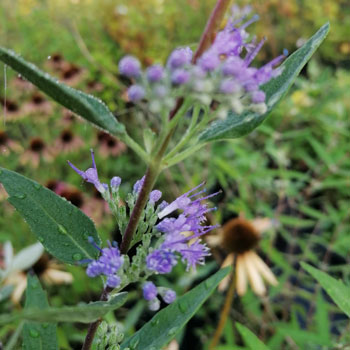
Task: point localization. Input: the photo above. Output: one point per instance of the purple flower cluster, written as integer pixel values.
(91, 175)
(223, 73)
(150, 292)
(108, 264)
(181, 234)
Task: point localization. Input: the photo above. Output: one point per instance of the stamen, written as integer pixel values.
(203, 198)
(93, 243)
(81, 173)
(93, 159)
(250, 57)
(275, 61)
(84, 261)
(239, 20)
(193, 189)
(196, 194)
(252, 20)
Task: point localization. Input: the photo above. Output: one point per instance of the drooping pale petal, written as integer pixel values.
(241, 276)
(254, 276)
(263, 269)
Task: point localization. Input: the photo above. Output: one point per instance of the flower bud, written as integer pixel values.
(130, 66)
(136, 93)
(155, 73)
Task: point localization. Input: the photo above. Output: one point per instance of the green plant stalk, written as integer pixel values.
(156, 165)
(226, 308)
(14, 337)
(151, 176)
(187, 135)
(135, 147)
(183, 155)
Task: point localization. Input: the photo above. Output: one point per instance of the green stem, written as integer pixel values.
(187, 136)
(171, 126)
(181, 156)
(180, 113)
(14, 337)
(135, 147)
(226, 309)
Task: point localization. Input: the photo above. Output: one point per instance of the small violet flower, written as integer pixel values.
(136, 93)
(91, 175)
(180, 57)
(115, 183)
(155, 196)
(149, 291)
(108, 264)
(130, 66)
(138, 185)
(169, 296)
(155, 73)
(180, 77)
(181, 234)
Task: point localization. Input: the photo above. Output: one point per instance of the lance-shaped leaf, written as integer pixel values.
(38, 335)
(84, 313)
(87, 106)
(239, 125)
(337, 290)
(168, 322)
(250, 339)
(60, 227)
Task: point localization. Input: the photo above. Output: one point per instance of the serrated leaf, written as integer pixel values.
(234, 125)
(337, 290)
(38, 335)
(250, 339)
(84, 313)
(87, 106)
(168, 322)
(60, 227)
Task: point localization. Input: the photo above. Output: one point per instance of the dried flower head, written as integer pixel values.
(109, 145)
(7, 145)
(36, 151)
(239, 236)
(67, 142)
(11, 109)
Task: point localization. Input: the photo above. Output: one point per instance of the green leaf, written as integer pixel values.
(84, 313)
(250, 339)
(239, 125)
(38, 335)
(168, 322)
(337, 290)
(322, 320)
(87, 106)
(61, 227)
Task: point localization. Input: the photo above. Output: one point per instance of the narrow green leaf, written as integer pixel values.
(61, 227)
(250, 339)
(337, 290)
(239, 125)
(322, 320)
(168, 322)
(84, 313)
(38, 335)
(87, 106)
